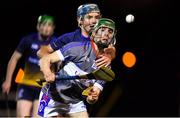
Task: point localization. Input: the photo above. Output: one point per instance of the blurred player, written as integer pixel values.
(64, 97)
(28, 91)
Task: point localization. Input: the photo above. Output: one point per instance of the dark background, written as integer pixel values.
(147, 89)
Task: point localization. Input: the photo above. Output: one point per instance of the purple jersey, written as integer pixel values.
(29, 46)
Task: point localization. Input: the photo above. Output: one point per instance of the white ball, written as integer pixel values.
(129, 18)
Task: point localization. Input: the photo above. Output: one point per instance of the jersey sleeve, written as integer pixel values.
(67, 52)
(100, 84)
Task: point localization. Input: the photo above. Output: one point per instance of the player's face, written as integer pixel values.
(90, 20)
(46, 29)
(104, 35)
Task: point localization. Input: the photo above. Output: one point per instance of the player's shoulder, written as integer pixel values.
(70, 34)
(31, 36)
(75, 44)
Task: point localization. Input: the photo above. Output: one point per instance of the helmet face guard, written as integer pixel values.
(105, 22)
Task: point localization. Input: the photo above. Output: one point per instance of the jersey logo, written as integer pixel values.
(34, 46)
(94, 65)
(20, 94)
(33, 60)
(43, 103)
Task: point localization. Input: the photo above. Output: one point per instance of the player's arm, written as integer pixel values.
(98, 85)
(44, 50)
(55, 44)
(10, 70)
(45, 64)
(106, 58)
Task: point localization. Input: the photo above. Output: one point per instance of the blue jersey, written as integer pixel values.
(78, 58)
(29, 46)
(75, 36)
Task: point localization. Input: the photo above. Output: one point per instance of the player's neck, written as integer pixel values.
(85, 34)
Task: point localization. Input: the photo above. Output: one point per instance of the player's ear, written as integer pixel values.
(37, 27)
(54, 27)
(79, 20)
(100, 15)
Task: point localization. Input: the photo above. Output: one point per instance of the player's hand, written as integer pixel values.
(49, 77)
(93, 95)
(110, 52)
(106, 58)
(103, 60)
(6, 86)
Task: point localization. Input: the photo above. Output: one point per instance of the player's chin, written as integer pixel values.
(90, 29)
(46, 34)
